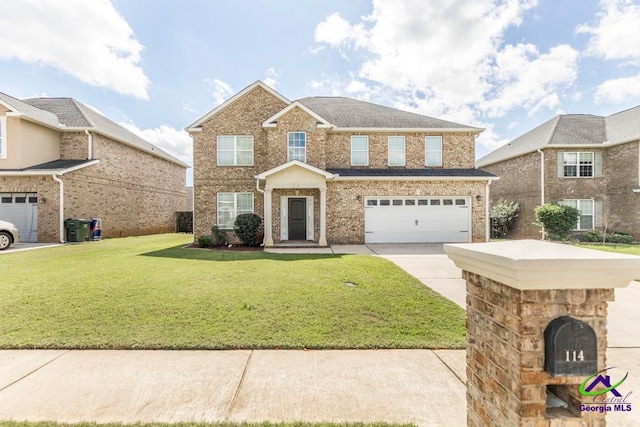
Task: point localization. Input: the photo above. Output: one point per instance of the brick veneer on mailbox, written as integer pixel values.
(506, 383)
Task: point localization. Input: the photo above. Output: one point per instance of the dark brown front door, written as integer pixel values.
(297, 219)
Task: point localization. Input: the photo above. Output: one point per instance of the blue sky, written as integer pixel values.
(156, 66)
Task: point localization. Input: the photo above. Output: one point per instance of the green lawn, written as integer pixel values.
(623, 249)
(150, 292)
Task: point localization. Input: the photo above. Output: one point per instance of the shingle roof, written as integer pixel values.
(60, 164)
(74, 114)
(462, 173)
(569, 129)
(352, 113)
(29, 110)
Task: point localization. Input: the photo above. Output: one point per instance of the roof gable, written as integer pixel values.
(293, 164)
(271, 121)
(196, 126)
(29, 111)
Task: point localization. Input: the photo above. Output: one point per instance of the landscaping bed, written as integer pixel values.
(152, 292)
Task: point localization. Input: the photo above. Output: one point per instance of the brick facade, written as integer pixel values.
(324, 149)
(506, 382)
(520, 181)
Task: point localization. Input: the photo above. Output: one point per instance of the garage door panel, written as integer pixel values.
(21, 209)
(418, 221)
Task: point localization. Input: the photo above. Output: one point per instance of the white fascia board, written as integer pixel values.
(233, 99)
(292, 163)
(44, 172)
(412, 130)
(324, 123)
(416, 178)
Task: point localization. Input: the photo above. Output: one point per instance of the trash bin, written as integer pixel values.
(77, 229)
(96, 229)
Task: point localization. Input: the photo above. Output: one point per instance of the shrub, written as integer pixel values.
(246, 227)
(556, 219)
(591, 236)
(219, 237)
(620, 237)
(205, 241)
(503, 216)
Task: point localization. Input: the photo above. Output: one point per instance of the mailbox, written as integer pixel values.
(570, 348)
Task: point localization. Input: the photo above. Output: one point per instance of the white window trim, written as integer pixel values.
(235, 208)
(593, 213)
(235, 150)
(284, 216)
(577, 153)
(305, 146)
(359, 151)
(440, 164)
(404, 150)
(3, 137)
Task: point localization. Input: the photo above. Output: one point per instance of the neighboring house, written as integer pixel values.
(589, 162)
(61, 159)
(332, 170)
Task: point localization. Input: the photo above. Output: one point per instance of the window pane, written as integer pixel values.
(297, 139)
(225, 143)
(423, 202)
(245, 202)
(396, 158)
(435, 202)
(397, 203)
(245, 143)
(396, 143)
(433, 143)
(384, 202)
(586, 207)
(586, 170)
(433, 158)
(372, 203)
(225, 219)
(570, 158)
(245, 157)
(586, 157)
(570, 170)
(359, 158)
(409, 202)
(586, 222)
(447, 202)
(460, 202)
(360, 143)
(225, 157)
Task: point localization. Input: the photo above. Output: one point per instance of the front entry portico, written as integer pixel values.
(295, 216)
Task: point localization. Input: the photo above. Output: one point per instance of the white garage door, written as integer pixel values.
(21, 209)
(417, 220)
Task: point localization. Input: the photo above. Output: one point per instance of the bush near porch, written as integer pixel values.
(150, 293)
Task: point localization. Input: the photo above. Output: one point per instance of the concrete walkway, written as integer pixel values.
(406, 386)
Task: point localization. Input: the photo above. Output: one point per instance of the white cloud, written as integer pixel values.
(618, 90)
(89, 40)
(221, 90)
(615, 35)
(174, 141)
(271, 79)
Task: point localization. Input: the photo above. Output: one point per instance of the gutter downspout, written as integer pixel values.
(542, 186)
(89, 144)
(487, 212)
(264, 207)
(57, 179)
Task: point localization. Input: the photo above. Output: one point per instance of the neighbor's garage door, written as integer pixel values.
(417, 220)
(21, 209)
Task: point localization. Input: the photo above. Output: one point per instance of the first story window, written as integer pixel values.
(230, 205)
(433, 151)
(3, 137)
(587, 211)
(234, 150)
(359, 150)
(297, 146)
(396, 150)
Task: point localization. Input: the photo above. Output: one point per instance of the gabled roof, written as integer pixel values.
(571, 130)
(73, 115)
(271, 121)
(30, 112)
(294, 163)
(351, 113)
(196, 126)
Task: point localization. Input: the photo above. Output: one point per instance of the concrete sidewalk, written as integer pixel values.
(406, 386)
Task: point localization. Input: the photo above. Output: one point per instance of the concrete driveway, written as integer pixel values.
(25, 246)
(428, 263)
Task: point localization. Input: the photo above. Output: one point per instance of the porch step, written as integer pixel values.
(297, 244)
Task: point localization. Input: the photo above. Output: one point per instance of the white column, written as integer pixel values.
(268, 238)
(323, 217)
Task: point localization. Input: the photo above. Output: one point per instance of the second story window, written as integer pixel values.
(235, 150)
(297, 146)
(396, 151)
(359, 150)
(577, 165)
(433, 151)
(3, 137)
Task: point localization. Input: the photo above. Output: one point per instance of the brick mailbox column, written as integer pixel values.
(515, 289)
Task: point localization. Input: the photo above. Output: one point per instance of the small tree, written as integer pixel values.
(246, 227)
(556, 219)
(503, 216)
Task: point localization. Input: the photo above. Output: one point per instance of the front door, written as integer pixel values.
(297, 219)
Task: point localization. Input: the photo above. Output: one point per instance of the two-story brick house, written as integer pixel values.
(61, 159)
(333, 170)
(586, 161)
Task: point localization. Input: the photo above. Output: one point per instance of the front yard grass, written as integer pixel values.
(151, 293)
(615, 247)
